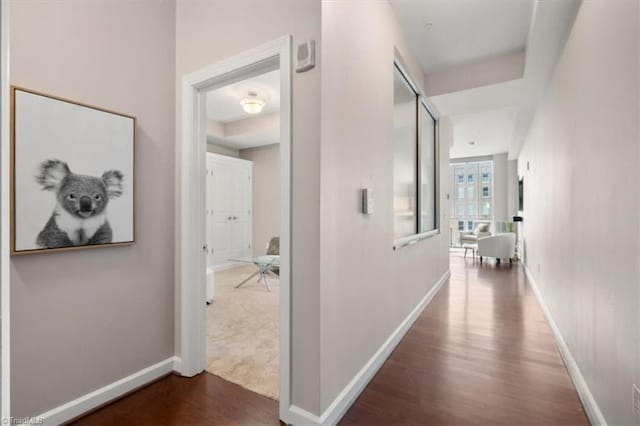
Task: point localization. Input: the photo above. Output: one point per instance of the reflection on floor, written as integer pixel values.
(242, 331)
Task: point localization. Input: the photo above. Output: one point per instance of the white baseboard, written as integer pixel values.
(177, 364)
(99, 397)
(588, 401)
(354, 388)
(300, 417)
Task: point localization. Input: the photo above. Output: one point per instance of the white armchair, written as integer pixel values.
(501, 246)
(480, 230)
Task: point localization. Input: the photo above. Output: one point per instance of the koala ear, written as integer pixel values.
(51, 173)
(113, 182)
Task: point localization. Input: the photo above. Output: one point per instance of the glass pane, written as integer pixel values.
(405, 155)
(427, 171)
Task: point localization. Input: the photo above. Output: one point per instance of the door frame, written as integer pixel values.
(190, 217)
(5, 298)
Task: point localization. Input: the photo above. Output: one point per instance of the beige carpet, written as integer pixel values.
(242, 331)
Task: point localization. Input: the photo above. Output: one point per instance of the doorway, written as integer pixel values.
(243, 229)
(191, 217)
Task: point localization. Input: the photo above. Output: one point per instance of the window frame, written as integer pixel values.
(422, 102)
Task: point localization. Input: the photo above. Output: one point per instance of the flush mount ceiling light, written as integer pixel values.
(252, 104)
(471, 142)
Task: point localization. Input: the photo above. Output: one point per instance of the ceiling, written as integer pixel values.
(487, 64)
(223, 104)
(230, 126)
(446, 33)
(490, 131)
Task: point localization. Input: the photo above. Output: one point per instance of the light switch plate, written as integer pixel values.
(367, 201)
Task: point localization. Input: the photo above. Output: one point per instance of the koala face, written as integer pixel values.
(82, 196)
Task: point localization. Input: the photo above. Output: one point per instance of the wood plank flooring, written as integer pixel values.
(202, 400)
(481, 353)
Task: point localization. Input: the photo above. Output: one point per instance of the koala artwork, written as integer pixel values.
(80, 216)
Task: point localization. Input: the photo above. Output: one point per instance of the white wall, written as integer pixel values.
(208, 31)
(84, 319)
(500, 188)
(512, 189)
(266, 194)
(222, 150)
(5, 371)
(367, 289)
(581, 201)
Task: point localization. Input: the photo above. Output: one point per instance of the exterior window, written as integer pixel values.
(472, 201)
(460, 225)
(485, 209)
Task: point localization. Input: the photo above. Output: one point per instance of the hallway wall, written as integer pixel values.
(81, 320)
(266, 193)
(367, 288)
(580, 163)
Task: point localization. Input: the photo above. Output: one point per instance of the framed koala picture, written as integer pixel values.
(72, 175)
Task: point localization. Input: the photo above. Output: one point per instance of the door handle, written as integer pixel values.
(234, 218)
(229, 217)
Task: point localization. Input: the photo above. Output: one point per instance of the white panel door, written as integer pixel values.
(241, 222)
(229, 209)
(222, 184)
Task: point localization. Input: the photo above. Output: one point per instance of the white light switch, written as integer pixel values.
(367, 200)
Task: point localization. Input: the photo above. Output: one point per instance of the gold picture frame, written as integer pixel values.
(68, 217)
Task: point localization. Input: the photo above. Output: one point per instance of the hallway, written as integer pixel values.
(481, 353)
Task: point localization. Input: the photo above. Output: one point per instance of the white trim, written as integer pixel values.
(5, 298)
(190, 222)
(300, 416)
(354, 388)
(222, 157)
(177, 364)
(588, 401)
(99, 397)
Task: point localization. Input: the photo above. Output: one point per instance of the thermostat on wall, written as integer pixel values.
(306, 57)
(367, 200)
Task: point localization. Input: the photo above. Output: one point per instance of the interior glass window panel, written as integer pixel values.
(405, 150)
(427, 170)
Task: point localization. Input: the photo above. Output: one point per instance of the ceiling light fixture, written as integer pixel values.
(252, 104)
(471, 142)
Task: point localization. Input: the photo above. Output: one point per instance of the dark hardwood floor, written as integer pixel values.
(481, 353)
(202, 400)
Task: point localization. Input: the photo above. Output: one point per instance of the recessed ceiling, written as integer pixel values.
(462, 31)
(223, 104)
(490, 131)
(232, 127)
